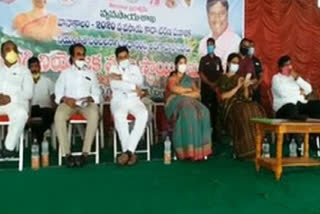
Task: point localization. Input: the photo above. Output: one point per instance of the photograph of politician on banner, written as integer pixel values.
(155, 31)
(227, 40)
(37, 23)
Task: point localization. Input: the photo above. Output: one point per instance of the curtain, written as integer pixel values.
(281, 27)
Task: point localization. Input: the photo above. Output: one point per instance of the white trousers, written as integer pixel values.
(120, 109)
(18, 116)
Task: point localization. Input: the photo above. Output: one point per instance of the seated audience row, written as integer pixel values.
(229, 100)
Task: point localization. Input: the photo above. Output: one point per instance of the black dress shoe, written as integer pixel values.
(7, 154)
(70, 161)
(82, 160)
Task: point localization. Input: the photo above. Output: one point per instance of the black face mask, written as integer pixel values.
(244, 51)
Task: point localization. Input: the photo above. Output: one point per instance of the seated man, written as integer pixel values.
(77, 91)
(16, 89)
(42, 101)
(289, 91)
(126, 82)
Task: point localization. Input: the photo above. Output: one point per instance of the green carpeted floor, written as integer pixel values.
(219, 185)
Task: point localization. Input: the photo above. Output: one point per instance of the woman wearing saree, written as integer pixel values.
(236, 108)
(37, 24)
(190, 119)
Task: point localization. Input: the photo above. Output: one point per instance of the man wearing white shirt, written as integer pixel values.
(226, 41)
(42, 103)
(126, 82)
(289, 91)
(16, 89)
(77, 91)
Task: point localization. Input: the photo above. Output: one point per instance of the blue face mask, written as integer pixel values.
(210, 49)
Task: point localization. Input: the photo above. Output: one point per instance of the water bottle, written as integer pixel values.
(318, 146)
(293, 148)
(45, 152)
(35, 159)
(265, 148)
(301, 149)
(167, 151)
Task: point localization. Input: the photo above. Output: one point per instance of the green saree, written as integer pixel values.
(191, 125)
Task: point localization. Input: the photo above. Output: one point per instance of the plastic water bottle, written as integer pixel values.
(35, 159)
(301, 149)
(293, 148)
(45, 152)
(167, 151)
(265, 148)
(318, 146)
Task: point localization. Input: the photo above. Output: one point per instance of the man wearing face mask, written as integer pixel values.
(77, 91)
(210, 69)
(16, 89)
(289, 90)
(126, 82)
(256, 61)
(42, 101)
(258, 72)
(246, 64)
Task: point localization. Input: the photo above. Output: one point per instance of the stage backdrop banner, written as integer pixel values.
(155, 31)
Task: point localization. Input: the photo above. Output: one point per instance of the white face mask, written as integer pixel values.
(124, 64)
(233, 68)
(182, 68)
(81, 64)
(251, 51)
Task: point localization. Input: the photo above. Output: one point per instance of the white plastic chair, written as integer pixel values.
(131, 119)
(79, 119)
(4, 121)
